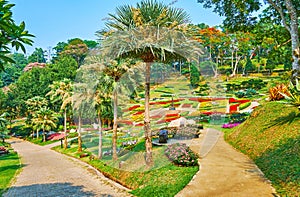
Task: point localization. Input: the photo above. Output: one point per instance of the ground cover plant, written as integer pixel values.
(271, 139)
(9, 166)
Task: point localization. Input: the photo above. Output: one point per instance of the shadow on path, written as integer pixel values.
(50, 189)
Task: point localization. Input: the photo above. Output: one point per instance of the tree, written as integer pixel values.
(34, 105)
(61, 91)
(238, 16)
(37, 56)
(11, 34)
(147, 31)
(3, 128)
(44, 119)
(77, 49)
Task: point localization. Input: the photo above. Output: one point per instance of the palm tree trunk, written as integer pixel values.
(65, 130)
(79, 134)
(44, 136)
(37, 134)
(114, 138)
(100, 137)
(147, 128)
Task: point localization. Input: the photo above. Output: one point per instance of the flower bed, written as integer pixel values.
(230, 125)
(180, 154)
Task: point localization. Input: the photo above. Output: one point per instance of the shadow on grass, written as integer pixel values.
(51, 189)
(290, 118)
(281, 166)
(11, 167)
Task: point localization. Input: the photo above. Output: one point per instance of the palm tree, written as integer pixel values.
(62, 91)
(3, 124)
(34, 105)
(45, 119)
(152, 32)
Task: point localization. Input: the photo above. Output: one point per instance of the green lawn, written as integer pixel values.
(9, 166)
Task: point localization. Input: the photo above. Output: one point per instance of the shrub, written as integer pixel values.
(275, 92)
(180, 154)
(244, 105)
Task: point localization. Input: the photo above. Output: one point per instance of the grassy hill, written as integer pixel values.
(271, 137)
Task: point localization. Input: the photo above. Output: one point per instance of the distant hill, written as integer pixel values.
(271, 138)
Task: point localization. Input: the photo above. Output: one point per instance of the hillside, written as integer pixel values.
(271, 137)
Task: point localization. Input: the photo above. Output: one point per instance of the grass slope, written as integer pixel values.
(271, 137)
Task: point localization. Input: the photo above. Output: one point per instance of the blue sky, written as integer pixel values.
(53, 21)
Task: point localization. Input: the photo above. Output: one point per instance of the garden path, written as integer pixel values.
(224, 172)
(48, 173)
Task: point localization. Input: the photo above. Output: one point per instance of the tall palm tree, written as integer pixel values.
(62, 91)
(152, 32)
(45, 119)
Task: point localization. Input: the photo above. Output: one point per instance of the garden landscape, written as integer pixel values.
(156, 105)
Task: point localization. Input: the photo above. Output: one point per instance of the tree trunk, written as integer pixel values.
(147, 128)
(79, 134)
(114, 138)
(44, 136)
(294, 37)
(65, 130)
(37, 134)
(100, 136)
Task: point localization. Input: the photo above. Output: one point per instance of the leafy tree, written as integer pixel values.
(13, 71)
(239, 16)
(3, 128)
(11, 34)
(91, 44)
(194, 76)
(37, 56)
(147, 31)
(77, 49)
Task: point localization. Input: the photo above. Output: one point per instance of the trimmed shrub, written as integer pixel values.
(244, 105)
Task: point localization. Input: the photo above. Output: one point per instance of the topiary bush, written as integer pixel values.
(180, 154)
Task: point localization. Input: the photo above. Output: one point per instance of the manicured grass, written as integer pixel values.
(271, 138)
(39, 141)
(163, 179)
(9, 165)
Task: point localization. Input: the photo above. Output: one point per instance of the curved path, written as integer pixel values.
(224, 172)
(48, 173)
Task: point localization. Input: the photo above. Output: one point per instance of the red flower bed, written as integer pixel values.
(233, 108)
(233, 100)
(172, 115)
(133, 107)
(138, 113)
(139, 124)
(170, 119)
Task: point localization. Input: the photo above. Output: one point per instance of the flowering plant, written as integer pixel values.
(230, 125)
(180, 154)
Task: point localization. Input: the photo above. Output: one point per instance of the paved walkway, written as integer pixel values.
(224, 172)
(48, 173)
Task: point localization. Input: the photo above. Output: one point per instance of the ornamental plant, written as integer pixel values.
(180, 154)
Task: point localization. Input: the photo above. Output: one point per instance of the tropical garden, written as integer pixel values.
(106, 100)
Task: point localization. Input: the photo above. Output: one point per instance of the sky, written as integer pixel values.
(53, 21)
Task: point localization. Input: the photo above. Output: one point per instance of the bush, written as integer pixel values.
(180, 154)
(274, 93)
(244, 105)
